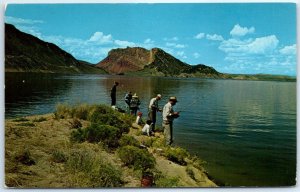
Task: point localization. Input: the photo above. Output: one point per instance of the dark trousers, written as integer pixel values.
(152, 117)
(113, 100)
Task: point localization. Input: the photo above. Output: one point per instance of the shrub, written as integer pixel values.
(108, 135)
(105, 175)
(88, 170)
(75, 124)
(177, 155)
(128, 140)
(161, 180)
(79, 135)
(190, 172)
(107, 116)
(25, 158)
(81, 111)
(81, 160)
(138, 158)
(59, 157)
(63, 111)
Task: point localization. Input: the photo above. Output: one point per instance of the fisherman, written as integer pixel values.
(168, 116)
(113, 94)
(134, 104)
(153, 108)
(128, 98)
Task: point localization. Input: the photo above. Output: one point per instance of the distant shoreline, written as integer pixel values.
(252, 77)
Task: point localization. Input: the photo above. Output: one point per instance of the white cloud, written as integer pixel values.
(101, 38)
(214, 37)
(171, 39)
(175, 45)
(124, 43)
(260, 45)
(199, 36)
(288, 50)
(148, 41)
(16, 21)
(196, 55)
(241, 31)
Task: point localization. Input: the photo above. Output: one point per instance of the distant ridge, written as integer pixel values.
(26, 53)
(152, 62)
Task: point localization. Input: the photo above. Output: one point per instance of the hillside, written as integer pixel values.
(157, 62)
(93, 146)
(26, 53)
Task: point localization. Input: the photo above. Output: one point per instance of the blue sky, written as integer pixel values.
(243, 38)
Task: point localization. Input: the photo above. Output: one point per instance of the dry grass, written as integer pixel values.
(42, 155)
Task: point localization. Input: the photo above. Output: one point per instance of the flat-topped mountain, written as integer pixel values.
(26, 53)
(153, 62)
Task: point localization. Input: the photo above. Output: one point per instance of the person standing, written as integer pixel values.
(113, 94)
(153, 108)
(128, 98)
(168, 116)
(134, 104)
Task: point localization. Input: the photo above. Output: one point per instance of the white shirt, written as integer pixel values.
(167, 112)
(138, 120)
(146, 129)
(154, 102)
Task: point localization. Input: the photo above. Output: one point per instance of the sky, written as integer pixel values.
(239, 38)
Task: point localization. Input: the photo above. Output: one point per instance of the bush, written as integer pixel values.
(128, 140)
(81, 111)
(107, 116)
(106, 175)
(177, 155)
(79, 135)
(27, 124)
(88, 170)
(138, 158)
(108, 135)
(25, 158)
(63, 111)
(161, 180)
(75, 124)
(59, 157)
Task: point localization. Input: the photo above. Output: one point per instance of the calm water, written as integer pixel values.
(245, 130)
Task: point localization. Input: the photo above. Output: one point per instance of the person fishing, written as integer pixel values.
(168, 116)
(153, 108)
(113, 94)
(134, 104)
(128, 98)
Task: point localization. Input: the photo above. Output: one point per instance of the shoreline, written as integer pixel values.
(39, 146)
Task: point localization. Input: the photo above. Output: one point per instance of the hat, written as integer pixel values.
(135, 96)
(173, 99)
(140, 113)
(159, 95)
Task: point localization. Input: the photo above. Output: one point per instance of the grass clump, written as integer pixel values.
(25, 158)
(21, 119)
(162, 180)
(88, 170)
(176, 155)
(27, 124)
(128, 140)
(59, 157)
(95, 133)
(75, 123)
(140, 159)
(41, 119)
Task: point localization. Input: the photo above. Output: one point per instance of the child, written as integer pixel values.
(139, 120)
(147, 128)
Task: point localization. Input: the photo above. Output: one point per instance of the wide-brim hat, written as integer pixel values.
(173, 99)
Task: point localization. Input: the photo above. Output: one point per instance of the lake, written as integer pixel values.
(244, 130)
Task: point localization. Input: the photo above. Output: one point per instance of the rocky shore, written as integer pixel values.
(93, 146)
